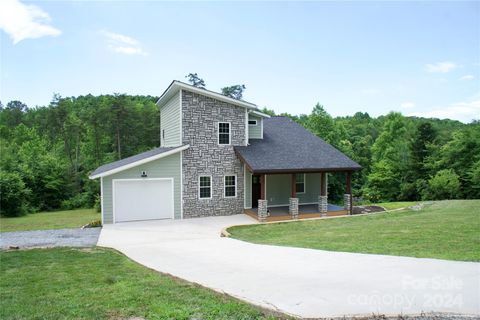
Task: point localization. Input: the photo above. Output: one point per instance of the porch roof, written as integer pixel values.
(288, 147)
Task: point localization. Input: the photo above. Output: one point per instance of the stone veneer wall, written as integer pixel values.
(205, 157)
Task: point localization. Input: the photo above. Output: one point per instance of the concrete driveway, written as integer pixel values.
(300, 282)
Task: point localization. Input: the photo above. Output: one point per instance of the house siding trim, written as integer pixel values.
(279, 190)
(170, 117)
(255, 131)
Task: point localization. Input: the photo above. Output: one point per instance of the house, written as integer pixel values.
(222, 156)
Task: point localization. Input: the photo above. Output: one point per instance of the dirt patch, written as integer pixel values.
(367, 209)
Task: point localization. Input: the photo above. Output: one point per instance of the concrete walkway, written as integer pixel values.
(301, 282)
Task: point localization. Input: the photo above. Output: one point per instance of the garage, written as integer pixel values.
(142, 199)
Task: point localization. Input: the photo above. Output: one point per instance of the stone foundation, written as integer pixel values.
(293, 207)
(262, 210)
(347, 202)
(323, 204)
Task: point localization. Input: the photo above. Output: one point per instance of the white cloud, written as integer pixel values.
(21, 21)
(467, 77)
(441, 67)
(462, 111)
(407, 105)
(123, 44)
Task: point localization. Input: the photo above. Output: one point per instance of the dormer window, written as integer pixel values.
(224, 133)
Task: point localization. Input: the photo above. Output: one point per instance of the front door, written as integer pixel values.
(256, 191)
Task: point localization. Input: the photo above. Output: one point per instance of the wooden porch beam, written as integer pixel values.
(323, 184)
(349, 182)
(262, 187)
(294, 185)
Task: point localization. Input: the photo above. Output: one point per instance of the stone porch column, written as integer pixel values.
(262, 210)
(323, 198)
(322, 204)
(293, 207)
(347, 202)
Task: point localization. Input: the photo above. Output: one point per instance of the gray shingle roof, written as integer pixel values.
(135, 158)
(288, 147)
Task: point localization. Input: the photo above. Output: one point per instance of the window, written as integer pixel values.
(205, 187)
(230, 185)
(300, 182)
(223, 133)
(252, 122)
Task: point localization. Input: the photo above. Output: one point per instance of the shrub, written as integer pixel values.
(97, 205)
(93, 224)
(13, 195)
(444, 185)
(77, 201)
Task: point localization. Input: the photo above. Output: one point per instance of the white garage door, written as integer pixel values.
(144, 199)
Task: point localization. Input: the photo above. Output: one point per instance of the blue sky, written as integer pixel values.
(420, 58)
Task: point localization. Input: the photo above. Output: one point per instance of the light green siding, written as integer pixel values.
(168, 167)
(170, 125)
(255, 131)
(248, 189)
(279, 189)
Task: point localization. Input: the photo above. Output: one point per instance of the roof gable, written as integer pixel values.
(133, 161)
(176, 85)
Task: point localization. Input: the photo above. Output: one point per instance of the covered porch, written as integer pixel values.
(286, 173)
(294, 195)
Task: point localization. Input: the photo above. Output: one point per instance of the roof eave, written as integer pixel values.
(180, 85)
(303, 170)
(138, 162)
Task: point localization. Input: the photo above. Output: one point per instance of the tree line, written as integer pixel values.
(47, 152)
(402, 158)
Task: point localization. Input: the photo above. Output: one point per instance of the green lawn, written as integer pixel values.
(103, 284)
(49, 220)
(445, 230)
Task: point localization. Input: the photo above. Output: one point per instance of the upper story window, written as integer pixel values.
(300, 182)
(205, 187)
(252, 122)
(230, 186)
(224, 133)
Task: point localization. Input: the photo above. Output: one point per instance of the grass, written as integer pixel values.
(444, 230)
(100, 283)
(49, 220)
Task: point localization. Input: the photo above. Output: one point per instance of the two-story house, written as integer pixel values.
(222, 156)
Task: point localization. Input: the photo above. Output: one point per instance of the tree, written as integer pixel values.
(321, 123)
(474, 177)
(14, 195)
(424, 137)
(461, 154)
(390, 159)
(235, 91)
(444, 185)
(12, 115)
(195, 80)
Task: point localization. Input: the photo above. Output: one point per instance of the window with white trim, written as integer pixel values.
(224, 133)
(252, 122)
(205, 187)
(300, 182)
(230, 186)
